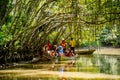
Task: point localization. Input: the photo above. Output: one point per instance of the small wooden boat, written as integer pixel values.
(85, 52)
(67, 58)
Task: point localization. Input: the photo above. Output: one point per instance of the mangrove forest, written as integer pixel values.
(27, 25)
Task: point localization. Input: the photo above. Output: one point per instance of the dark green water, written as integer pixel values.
(95, 63)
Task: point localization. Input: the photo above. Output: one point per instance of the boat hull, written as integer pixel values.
(84, 52)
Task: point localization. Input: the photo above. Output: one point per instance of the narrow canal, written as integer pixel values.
(92, 67)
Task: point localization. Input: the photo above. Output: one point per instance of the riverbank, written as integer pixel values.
(108, 51)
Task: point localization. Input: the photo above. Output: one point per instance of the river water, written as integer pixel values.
(96, 66)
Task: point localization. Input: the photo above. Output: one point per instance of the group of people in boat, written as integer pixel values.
(63, 49)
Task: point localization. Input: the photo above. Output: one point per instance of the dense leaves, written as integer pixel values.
(26, 25)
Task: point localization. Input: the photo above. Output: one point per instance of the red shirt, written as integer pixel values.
(49, 46)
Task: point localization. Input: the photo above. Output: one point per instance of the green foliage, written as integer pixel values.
(84, 44)
(109, 37)
(34, 22)
(5, 35)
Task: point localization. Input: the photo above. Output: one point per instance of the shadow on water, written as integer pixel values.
(95, 63)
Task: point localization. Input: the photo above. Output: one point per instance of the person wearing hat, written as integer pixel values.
(63, 44)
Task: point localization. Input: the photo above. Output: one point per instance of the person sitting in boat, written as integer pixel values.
(52, 53)
(55, 50)
(48, 49)
(69, 53)
(60, 50)
(48, 46)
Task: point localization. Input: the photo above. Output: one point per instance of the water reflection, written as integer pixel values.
(84, 63)
(110, 64)
(100, 64)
